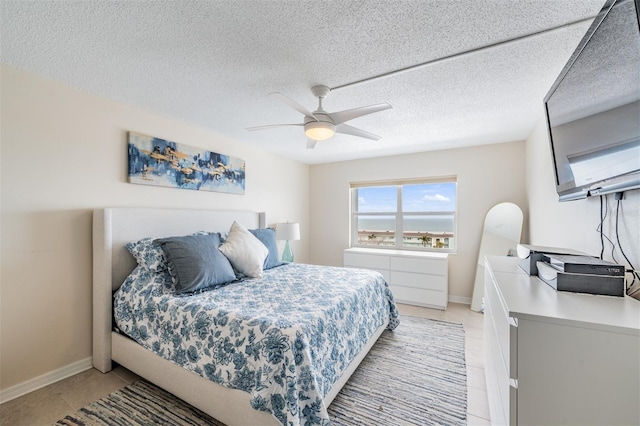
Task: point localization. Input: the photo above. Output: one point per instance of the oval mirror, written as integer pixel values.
(500, 236)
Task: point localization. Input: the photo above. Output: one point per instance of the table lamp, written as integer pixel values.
(288, 232)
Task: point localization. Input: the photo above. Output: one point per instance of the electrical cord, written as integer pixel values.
(600, 229)
(634, 272)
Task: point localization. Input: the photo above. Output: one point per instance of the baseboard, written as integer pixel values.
(458, 299)
(45, 380)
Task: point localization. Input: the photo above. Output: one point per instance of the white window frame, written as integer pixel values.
(399, 214)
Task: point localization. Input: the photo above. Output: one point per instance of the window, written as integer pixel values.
(409, 215)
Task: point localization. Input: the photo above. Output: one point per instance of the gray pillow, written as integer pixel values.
(195, 263)
(267, 236)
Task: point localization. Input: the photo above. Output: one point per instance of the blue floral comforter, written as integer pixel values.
(285, 338)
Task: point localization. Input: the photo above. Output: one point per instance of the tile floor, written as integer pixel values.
(51, 403)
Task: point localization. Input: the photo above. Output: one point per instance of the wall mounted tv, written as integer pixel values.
(593, 108)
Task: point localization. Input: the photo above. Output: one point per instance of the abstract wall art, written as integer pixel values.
(155, 161)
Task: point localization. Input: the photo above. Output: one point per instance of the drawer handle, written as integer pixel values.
(513, 383)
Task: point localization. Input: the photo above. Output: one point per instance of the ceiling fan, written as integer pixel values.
(320, 124)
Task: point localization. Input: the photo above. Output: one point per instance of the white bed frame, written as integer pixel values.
(112, 229)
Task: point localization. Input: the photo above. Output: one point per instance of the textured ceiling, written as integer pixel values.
(213, 64)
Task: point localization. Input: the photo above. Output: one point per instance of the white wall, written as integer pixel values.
(573, 224)
(63, 153)
(487, 175)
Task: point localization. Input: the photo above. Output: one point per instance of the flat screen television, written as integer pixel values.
(593, 108)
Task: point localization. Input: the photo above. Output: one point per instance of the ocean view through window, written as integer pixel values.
(410, 215)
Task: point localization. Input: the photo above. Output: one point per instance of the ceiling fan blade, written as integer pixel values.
(269, 126)
(349, 114)
(353, 131)
(293, 104)
(311, 144)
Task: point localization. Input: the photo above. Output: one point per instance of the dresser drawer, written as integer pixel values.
(366, 261)
(493, 367)
(420, 297)
(420, 281)
(419, 265)
(505, 327)
(384, 272)
(502, 391)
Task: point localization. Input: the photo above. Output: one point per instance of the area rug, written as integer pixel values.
(415, 375)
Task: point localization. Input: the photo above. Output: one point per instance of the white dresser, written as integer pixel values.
(558, 358)
(415, 278)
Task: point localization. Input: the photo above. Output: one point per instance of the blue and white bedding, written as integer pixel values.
(285, 338)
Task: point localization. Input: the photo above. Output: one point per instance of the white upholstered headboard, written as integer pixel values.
(114, 227)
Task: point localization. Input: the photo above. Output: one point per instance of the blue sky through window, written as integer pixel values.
(377, 199)
(424, 197)
(429, 197)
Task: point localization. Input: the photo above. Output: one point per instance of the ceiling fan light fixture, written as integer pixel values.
(319, 130)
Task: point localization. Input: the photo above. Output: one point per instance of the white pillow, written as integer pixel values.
(245, 252)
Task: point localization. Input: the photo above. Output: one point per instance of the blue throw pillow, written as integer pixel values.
(196, 263)
(268, 237)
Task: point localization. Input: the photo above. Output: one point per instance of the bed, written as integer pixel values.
(113, 228)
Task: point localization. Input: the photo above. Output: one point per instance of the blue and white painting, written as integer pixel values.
(155, 161)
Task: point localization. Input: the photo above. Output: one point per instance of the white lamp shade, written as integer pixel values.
(288, 231)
